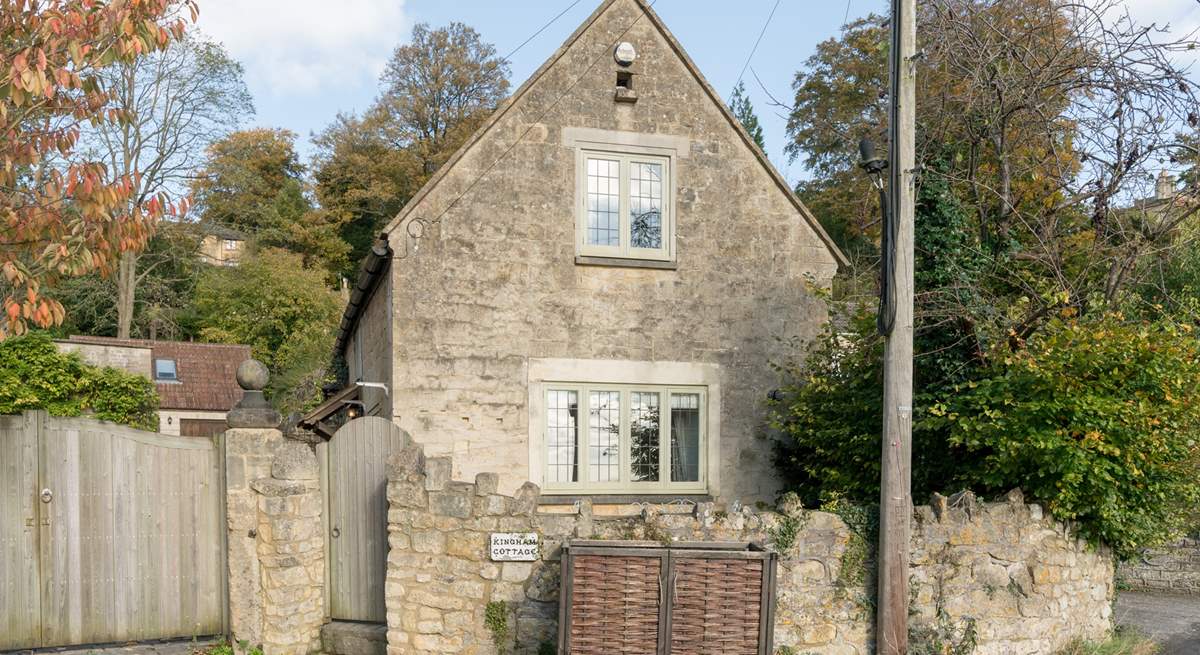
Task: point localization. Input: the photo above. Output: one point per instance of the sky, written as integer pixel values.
(308, 60)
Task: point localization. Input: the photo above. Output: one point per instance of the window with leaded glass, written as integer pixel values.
(625, 207)
(624, 438)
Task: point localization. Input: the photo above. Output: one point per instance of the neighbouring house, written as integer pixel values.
(220, 245)
(195, 381)
(591, 292)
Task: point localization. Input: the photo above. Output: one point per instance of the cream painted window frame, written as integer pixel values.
(626, 155)
(626, 485)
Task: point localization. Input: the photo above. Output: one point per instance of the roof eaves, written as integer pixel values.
(373, 268)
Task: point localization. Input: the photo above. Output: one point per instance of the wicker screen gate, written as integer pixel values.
(641, 598)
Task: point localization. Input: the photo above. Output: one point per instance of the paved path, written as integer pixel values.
(181, 647)
(1173, 621)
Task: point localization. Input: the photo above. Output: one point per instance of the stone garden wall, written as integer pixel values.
(276, 548)
(1173, 569)
(1004, 575)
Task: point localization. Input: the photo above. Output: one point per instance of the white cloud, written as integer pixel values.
(305, 46)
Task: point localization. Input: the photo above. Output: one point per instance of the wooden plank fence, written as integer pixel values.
(108, 534)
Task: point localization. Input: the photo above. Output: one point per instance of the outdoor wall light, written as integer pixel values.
(355, 409)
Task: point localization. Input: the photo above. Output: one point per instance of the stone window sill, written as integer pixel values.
(602, 499)
(619, 262)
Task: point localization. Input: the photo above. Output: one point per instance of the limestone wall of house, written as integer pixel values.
(369, 353)
(492, 281)
(1174, 569)
(1006, 573)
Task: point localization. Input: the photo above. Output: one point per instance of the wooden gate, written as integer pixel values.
(107, 534)
(354, 467)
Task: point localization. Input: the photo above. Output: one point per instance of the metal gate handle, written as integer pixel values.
(47, 496)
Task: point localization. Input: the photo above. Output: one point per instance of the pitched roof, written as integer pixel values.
(221, 231)
(205, 371)
(516, 98)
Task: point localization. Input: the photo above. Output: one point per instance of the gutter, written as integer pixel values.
(370, 274)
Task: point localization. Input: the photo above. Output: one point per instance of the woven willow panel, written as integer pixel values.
(614, 610)
(716, 608)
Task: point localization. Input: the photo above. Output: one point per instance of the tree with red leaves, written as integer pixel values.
(61, 215)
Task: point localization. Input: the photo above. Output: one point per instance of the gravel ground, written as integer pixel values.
(1173, 621)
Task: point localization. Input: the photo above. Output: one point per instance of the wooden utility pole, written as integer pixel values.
(896, 485)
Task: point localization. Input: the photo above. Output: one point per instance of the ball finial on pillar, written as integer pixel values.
(253, 410)
(252, 375)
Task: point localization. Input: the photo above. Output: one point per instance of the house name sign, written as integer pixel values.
(514, 547)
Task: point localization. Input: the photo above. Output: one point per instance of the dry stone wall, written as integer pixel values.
(1173, 569)
(291, 552)
(1003, 575)
(248, 455)
(276, 549)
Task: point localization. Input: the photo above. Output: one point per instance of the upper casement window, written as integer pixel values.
(625, 206)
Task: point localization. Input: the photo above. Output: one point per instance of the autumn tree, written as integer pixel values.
(63, 214)
(253, 181)
(1049, 121)
(175, 103)
(743, 110)
(435, 91)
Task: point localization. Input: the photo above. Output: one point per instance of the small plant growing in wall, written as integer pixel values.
(495, 619)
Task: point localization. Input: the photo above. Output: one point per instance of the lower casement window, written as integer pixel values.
(617, 439)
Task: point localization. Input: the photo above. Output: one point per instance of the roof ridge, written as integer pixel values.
(647, 8)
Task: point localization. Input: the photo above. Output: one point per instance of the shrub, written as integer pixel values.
(827, 416)
(1099, 420)
(35, 375)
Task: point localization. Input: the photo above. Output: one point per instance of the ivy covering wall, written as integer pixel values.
(35, 375)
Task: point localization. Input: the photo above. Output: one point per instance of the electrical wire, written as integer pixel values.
(543, 28)
(885, 318)
(756, 43)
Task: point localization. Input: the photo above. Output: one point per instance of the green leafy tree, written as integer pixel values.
(166, 273)
(284, 311)
(828, 413)
(253, 182)
(1096, 419)
(436, 90)
(743, 110)
(35, 375)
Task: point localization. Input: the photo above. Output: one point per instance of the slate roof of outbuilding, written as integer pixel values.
(206, 371)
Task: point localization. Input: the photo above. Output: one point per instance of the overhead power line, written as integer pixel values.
(524, 43)
(756, 43)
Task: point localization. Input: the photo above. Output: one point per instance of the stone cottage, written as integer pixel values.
(589, 294)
